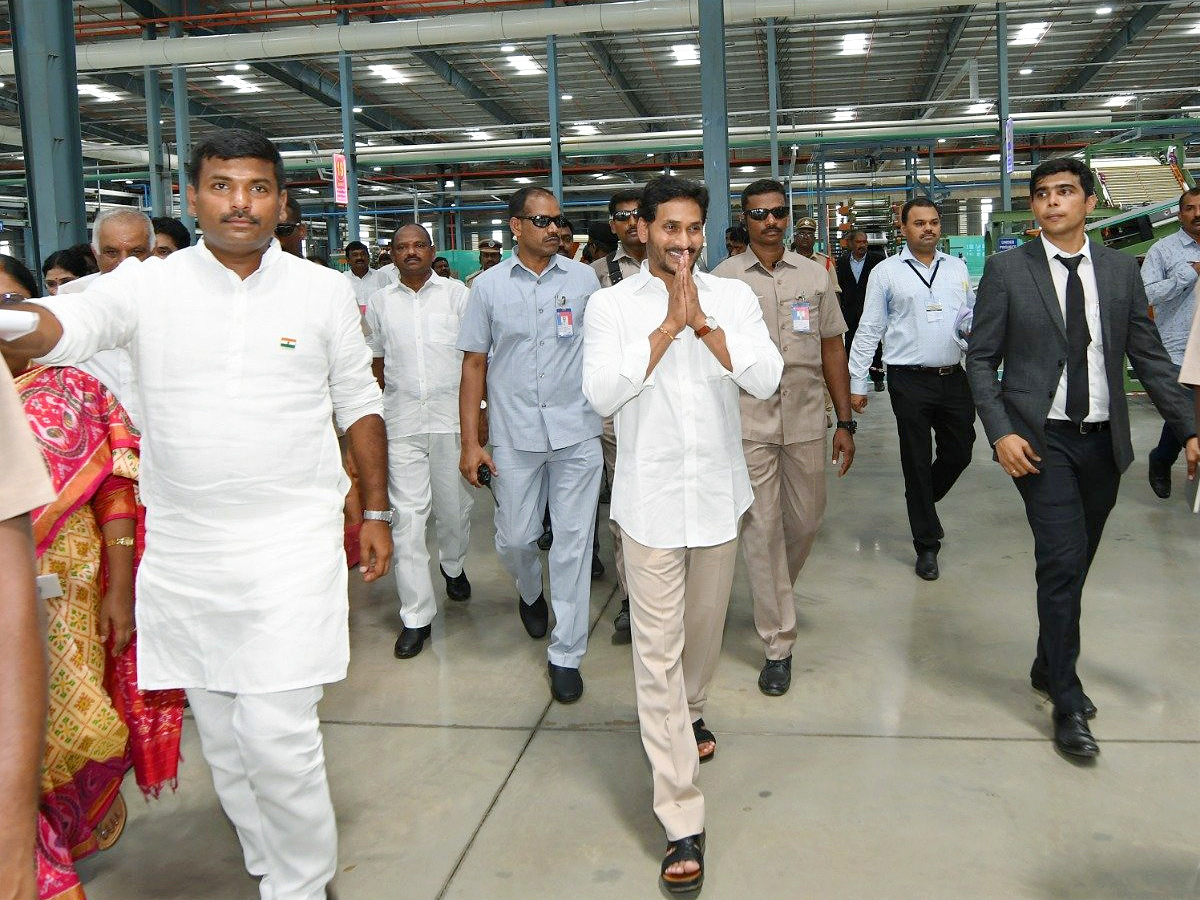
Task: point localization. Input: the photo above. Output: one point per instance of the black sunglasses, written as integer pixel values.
(624, 215)
(759, 214)
(544, 221)
(286, 229)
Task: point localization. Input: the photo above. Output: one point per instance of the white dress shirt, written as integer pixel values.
(681, 480)
(243, 585)
(364, 287)
(414, 332)
(1097, 376)
(389, 272)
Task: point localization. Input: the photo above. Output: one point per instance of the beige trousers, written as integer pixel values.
(778, 532)
(608, 442)
(677, 604)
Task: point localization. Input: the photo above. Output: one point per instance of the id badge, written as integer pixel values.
(49, 587)
(566, 322)
(933, 311)
(801, 317)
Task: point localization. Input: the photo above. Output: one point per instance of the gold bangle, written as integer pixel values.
(667, 333)
(119, 542)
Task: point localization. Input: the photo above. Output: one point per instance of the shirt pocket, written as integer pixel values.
(442, 329)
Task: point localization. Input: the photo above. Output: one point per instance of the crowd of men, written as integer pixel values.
(701, 398)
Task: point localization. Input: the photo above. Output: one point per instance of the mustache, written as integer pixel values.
(239, 217)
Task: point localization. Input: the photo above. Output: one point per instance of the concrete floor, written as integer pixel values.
(909, 760)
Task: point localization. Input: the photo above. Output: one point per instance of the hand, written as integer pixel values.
(858, 402)
(1016, 456)
(678, 308)
(375, 549)
(1192, 455)
(843, 447)
(1196, 266)
(116, 618)
(469, 461)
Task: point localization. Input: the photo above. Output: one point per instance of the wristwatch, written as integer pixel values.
(850, 425)
(710, 324)
(380, 515)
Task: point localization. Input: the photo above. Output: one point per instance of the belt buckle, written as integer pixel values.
(946, 370)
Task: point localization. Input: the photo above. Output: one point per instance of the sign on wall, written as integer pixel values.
(341, 179)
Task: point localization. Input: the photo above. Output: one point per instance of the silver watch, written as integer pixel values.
(380, 515)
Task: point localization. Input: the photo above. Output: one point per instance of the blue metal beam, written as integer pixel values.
(556, 175)
(464, 85)
(154, 142)
(349, 145)
(1118, 42)
(1002, 111)
(715, 124)
(949, 44)
(610, 68)
(183, 128)
(773, 96)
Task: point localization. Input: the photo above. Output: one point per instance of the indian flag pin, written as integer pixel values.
(287, 343)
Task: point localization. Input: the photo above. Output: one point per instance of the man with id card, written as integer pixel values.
(913, 302)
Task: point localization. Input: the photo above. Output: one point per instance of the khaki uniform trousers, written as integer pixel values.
(778, 532)
(608, 443)
(677, 603)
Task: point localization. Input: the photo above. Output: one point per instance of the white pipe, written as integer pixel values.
(630, 16)
(12, 135)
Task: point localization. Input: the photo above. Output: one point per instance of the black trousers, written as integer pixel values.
(1169, 447)
(1067, 505)
(931, 410)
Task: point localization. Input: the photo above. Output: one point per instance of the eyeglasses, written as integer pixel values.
(544, 221)
(759, 214)
(12, 297)
(286, 229)
(624, 215)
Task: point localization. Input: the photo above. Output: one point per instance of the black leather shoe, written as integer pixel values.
(1160, 479)
(927, 566)
(546, 541)
(566, 685)
(1072, 736)
(597, 567)
(457, 587)
(878, 382)
(411, 641)
(775, 677)
(622, 634)
(535, 616)
(1037, 680)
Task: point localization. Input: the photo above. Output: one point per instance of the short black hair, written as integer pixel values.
(20, 272)
(1190, 192)
(762, 186)
(356, 245)
(917, 201)
(568, 226)
(854, 231)
(665, 188)
(174, 229)
(438, 259)
(737, 233)
(236, 143)
(516, 203)
(72, 259)
(293, 209)
(1068, 164)
(625, 195)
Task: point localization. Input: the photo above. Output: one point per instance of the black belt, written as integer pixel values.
(928, 370)
(1081, 428)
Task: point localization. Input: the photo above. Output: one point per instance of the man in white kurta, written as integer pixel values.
(413, 325)
(363, 279)
(665, 354)
(241, 358)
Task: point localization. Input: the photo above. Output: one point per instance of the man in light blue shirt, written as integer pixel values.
(1170, 275)
(913, 302)
(522, 333)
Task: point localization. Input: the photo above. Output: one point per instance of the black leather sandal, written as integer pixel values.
(688, 849)
(704, 736)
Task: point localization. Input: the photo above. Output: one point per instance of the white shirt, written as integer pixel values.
(364, 287)
(415, 333)
(682, 479)
(1097, 376)
(389, 272)
(243, 585)
(112, 368)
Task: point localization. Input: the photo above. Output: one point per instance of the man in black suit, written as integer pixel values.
(1061, 314)
(853, 269)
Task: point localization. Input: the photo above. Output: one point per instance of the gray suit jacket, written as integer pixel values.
(1018, 323)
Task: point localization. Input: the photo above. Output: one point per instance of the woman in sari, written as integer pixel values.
(99, 724)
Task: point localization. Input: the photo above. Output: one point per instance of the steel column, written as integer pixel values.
(773, 97)
(44, 56)
(154, 144)
(183, 126)
(556, 178)
(346, 88)
(1002, 101)
(715, 124)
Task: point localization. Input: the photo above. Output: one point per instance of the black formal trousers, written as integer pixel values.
(1067, 505)
(931, 410)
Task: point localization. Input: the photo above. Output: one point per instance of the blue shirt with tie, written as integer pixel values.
(535, 369)
(913, 308)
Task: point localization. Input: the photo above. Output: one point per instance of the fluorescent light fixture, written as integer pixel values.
(479, 135)
(567, 97)
(508, 48)
(497, 221)
(1195, 29)
(941, 140)
(1, 84)
(686, 54)
(450, 182)
(602, 176)
(525, 65)
(240, 84)
(649, 154)
(98, 93)
(1119, 101)
(376, 168)
(310, 190)
(358, 109)
(979, 109)
(390, 74)
(830, 165)
(586, 129)
(1030, 33)
(523, 180)
(995, 157)
(855, 44)
(672, 172)
(844, 115)
(1104, 10)
(378, 187)
(242, 67)
(746, 169)
(1026, 71)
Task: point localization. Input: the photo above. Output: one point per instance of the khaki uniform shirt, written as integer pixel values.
(628, 265)
(830, 265)
(795, 412)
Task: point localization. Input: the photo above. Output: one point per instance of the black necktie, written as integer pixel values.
(1078, 338)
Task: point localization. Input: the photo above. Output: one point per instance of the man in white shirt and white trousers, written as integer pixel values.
(665, 352)
(242, 354)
